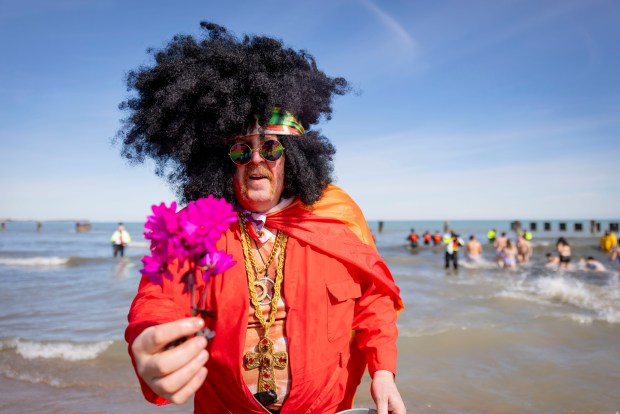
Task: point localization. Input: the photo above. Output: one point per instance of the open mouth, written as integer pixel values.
(257, 175)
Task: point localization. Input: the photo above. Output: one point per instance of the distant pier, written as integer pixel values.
(578, 227)
(80, 225)
(535, 226)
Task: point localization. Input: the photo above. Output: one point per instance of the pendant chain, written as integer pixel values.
(253, 271)
(272, 255)
(261, 257)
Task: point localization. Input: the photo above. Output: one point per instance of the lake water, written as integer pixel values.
(477, 340)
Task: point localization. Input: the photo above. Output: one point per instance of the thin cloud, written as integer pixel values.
(392, 25)
(545, 15)
(471, 141)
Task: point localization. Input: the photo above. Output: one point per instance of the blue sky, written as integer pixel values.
(463, 109)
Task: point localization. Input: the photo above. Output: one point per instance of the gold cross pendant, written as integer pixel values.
(266, 360)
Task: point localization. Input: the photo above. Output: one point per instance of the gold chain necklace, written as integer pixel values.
(260, 282)
(263, 283)
(265, 359)
(272, 255)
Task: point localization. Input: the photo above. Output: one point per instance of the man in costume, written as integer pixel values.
(309, 304)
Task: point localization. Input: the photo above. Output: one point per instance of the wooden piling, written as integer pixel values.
(82, 226)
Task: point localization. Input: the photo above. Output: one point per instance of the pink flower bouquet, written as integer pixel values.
(189, 234)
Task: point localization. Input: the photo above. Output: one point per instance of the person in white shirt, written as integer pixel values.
(120, 239)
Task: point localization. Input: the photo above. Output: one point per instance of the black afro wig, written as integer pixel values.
(202, 92)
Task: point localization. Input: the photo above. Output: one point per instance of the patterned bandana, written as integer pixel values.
(281, 122)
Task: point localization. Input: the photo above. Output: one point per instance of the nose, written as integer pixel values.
(256, 157)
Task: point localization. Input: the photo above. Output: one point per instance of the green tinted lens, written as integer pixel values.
(271, 150)
(240, 153)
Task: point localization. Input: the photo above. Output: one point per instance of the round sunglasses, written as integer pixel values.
(241, 153)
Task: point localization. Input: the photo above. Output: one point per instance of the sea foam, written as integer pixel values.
(140, 244)
(34, 261)
(574, 293)
(70, 351)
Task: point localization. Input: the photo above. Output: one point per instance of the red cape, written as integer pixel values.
(336, 226)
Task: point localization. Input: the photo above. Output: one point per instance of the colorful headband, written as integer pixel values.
(281, 122)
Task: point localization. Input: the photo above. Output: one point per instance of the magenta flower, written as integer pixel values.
(204, 221)
(190, 234)
(215, 263)
(217, 214)
(163, 223)
(169, 249)
(155, 269)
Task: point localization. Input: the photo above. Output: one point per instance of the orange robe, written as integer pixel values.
(334, 282)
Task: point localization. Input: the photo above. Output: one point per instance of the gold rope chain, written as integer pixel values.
(272, 255)
(252, 271)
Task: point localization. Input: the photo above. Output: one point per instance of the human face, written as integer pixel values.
(259, 184)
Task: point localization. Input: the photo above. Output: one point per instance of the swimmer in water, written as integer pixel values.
(474, 249)
(510, 255)
(594, 265)
(500, 244)
(564, 252)
(524, 249)
(552, 260)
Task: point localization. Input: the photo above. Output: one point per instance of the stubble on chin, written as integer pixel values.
(244, 184)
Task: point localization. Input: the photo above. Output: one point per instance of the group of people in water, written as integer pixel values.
(451, 242)
(608, 244)
(509, 254)
(427, 238)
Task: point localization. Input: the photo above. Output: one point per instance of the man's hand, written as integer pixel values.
(172, 373)
(385, 394)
